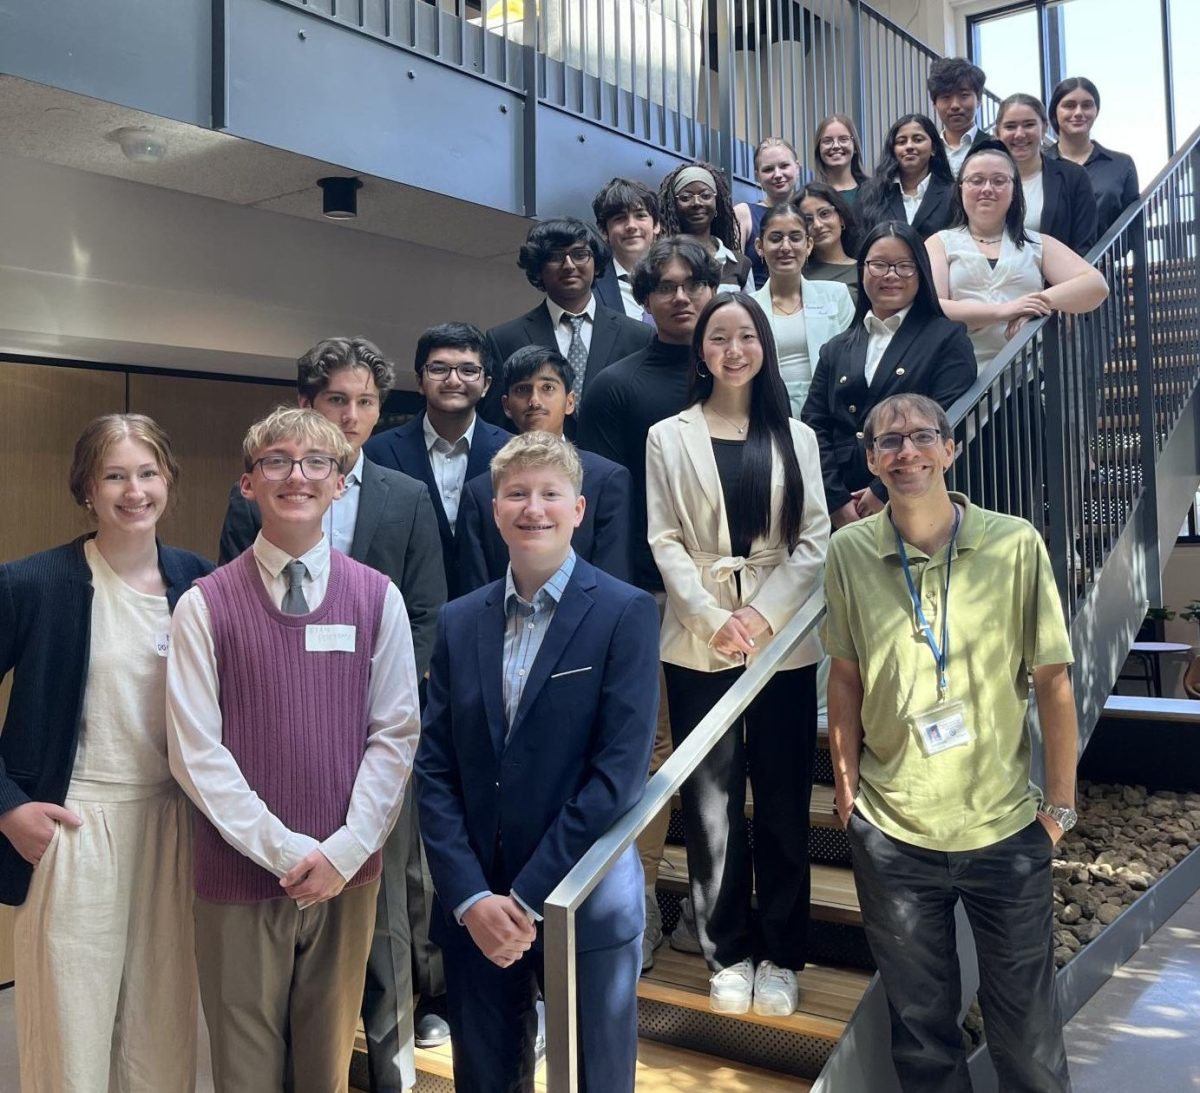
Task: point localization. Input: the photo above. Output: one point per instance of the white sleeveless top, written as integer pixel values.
(1017, 272)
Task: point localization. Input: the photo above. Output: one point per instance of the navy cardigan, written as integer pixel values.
(45, 631)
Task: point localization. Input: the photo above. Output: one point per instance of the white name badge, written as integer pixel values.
(329, 639)
(942, 728)
(162, 644)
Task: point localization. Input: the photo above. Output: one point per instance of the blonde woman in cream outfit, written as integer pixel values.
(738, 528)
(96, 848)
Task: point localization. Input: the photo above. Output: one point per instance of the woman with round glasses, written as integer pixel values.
(777, 170)
(991, 272)
(837, 156)
(1058, 196)
(912, 181)
(97, 840)
(834, 230)
(1074, 106)
(803, 314)
(695, 200)
(738, 529)
(900, 342)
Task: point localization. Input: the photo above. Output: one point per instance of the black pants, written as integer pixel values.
(908, 896)
(774, 744)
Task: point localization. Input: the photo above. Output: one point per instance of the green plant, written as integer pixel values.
(1165, 614)
(1192, 612)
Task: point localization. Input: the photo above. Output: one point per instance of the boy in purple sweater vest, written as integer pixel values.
(292, 721)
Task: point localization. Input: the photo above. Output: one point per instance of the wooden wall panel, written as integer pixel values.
(206, 420)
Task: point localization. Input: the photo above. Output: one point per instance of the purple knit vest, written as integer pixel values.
(296, 722)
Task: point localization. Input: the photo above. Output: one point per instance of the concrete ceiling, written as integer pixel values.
(70, 130)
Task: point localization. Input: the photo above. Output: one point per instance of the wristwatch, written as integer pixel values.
(1066, 818)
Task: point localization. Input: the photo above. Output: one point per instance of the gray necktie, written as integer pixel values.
(577, 354)
(294, 602)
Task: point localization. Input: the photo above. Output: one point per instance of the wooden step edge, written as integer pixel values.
(663, 1068)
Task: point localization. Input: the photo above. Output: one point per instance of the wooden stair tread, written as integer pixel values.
(828, 996)
(834, 898)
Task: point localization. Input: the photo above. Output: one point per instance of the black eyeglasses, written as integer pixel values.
(893, 442)
(278, 468)
(579, 256)
(468, 373)
(905, 268)
(665, 290)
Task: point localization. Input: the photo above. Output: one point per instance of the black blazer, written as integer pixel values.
(607, 290)
(931, 356)
(396, 533)
(604, 538)
(1068, 204)
(887, 203)
(614, 336)
(45, 635)
(403, 449)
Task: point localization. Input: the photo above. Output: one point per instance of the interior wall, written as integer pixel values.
(1181, 585)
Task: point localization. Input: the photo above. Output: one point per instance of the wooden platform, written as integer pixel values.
(833, 896)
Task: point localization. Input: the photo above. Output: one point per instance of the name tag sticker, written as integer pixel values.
(329, 639)
(162, 644)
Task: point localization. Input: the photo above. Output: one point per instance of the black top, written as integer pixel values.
(1114, 180)
(882, 201)
(1068, 204)
(728, 454)
(834, 271)
(623, 402)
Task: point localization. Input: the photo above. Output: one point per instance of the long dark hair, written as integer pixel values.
(857, 171)
(873, 200)
(724, 225)
(851, 230)
(1063, 89)
(769, 428)
(1014, 220)
(925, 303)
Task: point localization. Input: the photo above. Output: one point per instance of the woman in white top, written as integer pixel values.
(994, 275)
(738, 528)
(803, 314)
(96, 847)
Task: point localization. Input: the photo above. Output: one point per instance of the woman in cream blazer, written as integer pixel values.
(738, 528)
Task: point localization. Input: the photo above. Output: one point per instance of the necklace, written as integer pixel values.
(986, 242)
(741, 429)
(783, 311)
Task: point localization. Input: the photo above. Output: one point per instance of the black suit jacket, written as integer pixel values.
(607, 290)
(1068, 204)
(403, 449)
(614, 336)
(933, 214)
(604, 538)
(928, 356)
(396, 533)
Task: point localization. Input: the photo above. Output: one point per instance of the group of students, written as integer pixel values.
(523, 590)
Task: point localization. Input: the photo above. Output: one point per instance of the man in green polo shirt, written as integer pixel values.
(939, 614)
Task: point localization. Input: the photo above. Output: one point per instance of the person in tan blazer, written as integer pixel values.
(738, 527)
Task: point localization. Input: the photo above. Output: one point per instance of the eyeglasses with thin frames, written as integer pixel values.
(893, 442)
(468, 373)
(903, 269)
(665, 290)
(278, 468)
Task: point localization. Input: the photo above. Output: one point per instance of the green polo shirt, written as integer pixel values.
(1005, 619)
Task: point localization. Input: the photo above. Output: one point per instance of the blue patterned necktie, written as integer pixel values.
(577, 355)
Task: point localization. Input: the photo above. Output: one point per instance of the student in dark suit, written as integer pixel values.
(542, 702)
(385, 520)
(627, 216)
(912, 181)
(447, 444)
(899, 342)
(563, 258)
(955, 86)
(536, 385)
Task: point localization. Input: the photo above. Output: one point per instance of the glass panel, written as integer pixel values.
(1006, 48)
(1185, 33)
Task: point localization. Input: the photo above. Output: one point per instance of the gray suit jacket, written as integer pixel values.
(396, 534)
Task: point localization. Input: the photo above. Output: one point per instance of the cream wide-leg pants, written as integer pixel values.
(105, 964)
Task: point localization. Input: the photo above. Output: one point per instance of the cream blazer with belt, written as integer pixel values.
(688, 531)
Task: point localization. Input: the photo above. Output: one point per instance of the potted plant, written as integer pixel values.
(1153, 627)
(1191, 613)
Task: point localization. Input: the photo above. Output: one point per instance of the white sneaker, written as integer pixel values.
(775, 990)
(729, 990)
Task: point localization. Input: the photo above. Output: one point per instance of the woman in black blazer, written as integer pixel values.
(96, 849)
(899, 342)
(913, 181)
(1058, 196)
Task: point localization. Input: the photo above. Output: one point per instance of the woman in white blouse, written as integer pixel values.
(738, 528)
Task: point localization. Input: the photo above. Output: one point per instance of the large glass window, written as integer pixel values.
(1006, 47)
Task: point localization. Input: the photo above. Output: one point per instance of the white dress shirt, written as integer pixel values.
(342, 517)
(625, 282)
(913, 203)
(723, 254)
(209, 773)
(881, 332)
(449, 464)
(1034, 200)
(957, 155)
(562, 331)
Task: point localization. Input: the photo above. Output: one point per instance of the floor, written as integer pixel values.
(1138, 1032)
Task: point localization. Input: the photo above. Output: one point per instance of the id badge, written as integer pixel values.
(942, 728)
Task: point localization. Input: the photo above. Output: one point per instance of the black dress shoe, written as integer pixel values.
(431, 1030)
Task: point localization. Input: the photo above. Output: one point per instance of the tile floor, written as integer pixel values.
(1140, 1031)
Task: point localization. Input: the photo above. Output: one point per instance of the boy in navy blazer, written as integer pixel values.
(543, 694)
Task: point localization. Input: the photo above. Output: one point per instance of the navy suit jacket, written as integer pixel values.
(403, 449)
(516, 816)
(604, 538)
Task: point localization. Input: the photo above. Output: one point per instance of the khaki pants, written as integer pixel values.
(281, 989)
(106, 981)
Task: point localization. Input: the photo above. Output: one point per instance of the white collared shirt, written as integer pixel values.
(449, 465)
(881, 332)
(211, 777)
(562, 331)
(342, 517)
(1034, 201)
(625, 282)
(957, 155)
(913, 202)
(723, 254)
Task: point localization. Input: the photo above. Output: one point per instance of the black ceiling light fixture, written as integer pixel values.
(339, 197)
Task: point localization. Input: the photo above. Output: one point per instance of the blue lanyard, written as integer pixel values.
(940, 655)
